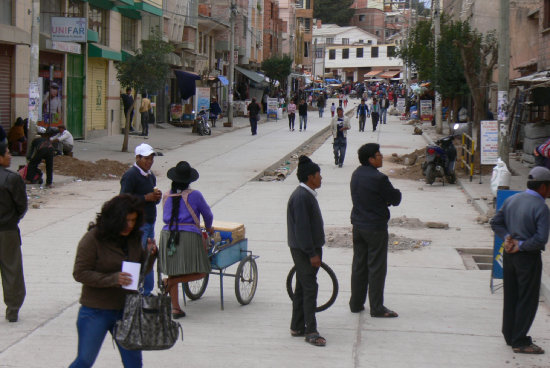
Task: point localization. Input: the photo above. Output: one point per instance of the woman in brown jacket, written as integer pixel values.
(114, 237)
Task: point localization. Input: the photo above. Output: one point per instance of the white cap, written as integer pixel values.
(144, 150)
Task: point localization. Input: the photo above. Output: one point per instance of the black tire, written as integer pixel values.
(430, 174)
(207, 131)
(330, 272)
(200, 129)
(246, 280)
(195, 289)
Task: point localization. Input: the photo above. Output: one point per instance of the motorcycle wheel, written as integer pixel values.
(207, 131)
(430, 174)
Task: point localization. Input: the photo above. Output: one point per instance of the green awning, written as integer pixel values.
(126, 55)
(143, 6)
(129, 11)
(127, 2)
(258, 78)
(92, 36)
(100, 51)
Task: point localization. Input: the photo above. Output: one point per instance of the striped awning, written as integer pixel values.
(373, 73)
(390, 74)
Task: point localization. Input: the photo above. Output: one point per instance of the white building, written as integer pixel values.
(350, 53)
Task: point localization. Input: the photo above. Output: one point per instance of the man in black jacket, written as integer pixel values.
(13, 205)
(371, 194)
(253, 115)
(306, 236)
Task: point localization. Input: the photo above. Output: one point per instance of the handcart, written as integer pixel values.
(223, 256)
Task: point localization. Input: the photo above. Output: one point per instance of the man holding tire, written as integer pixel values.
(371, 194)
(306, 237)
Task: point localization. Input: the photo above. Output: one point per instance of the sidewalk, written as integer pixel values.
(479, 192)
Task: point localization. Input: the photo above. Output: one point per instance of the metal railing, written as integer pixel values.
(468, 149)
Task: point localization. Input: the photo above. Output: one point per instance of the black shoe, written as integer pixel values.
(357, 310)
(340, 165)
(336, 161)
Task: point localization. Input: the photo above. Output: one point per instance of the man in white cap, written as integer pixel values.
(523, 222)
(140, 181)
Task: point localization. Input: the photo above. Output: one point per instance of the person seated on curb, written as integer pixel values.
(63, 142)
(41, 149)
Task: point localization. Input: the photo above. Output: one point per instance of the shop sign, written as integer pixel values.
(489, 142)
(66, 29)
(70, 47)
(272, 107)
(426, 110)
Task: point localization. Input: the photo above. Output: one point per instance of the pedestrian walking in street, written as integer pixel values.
(321, 102)
(302, 111)
(362, 114)
(345, 102)
(306, 237)
(128, 103)
(182, 253)
(332, 109)
(140, 181)
(114, 238)
(339, 126)
(371, 195)
(523, 222)
(253, 115)
(215, 111)
(384, 105)
(375, 113)
(13, 206)
(41, 149)
(291, 115)
(145, 111)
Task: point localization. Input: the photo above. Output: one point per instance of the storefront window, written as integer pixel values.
(129, 27)
(97, 21)
(5, 12)
(48, 9)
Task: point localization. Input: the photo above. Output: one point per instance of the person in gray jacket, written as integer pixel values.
(13, 206)
(339, 126)
(306, 237)
(523, 222)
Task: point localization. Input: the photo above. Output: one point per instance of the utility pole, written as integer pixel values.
(407, 66)
(231, 61)
(503, 80)
(33, 72)
(437, 29)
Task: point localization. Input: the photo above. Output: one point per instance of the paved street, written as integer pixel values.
(447, 314)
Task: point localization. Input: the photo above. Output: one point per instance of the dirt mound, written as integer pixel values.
(412, 163)
(340, 237)
(85, 170)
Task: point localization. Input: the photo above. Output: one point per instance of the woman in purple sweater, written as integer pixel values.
(182, 252)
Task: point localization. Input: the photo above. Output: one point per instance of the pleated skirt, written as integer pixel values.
(189, 256)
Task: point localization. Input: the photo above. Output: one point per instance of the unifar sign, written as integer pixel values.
(69, 29)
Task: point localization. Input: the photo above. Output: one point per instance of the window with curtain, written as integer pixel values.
(97, 21)
(128, 33)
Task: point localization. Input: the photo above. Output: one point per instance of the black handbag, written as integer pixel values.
(146, 322)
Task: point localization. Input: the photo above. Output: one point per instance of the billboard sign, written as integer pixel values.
(66, 29)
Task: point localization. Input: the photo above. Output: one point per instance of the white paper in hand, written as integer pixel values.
(133, 269)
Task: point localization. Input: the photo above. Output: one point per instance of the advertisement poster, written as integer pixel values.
(489, 142)
(426, 110)
(502, 109)
(272, 106)
(401, 105)
(52, 103)
(34, 101)
(202, 98)
(176, 112)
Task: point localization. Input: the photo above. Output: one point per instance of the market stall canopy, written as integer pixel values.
(390, 74)
(186, 83)
(256, 77)
(538, 77)
(372, 73)
(223, 79)
(332, 81)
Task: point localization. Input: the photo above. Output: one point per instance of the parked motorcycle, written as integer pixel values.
(440, 161)
(203, 127)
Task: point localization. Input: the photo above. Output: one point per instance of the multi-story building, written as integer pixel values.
(77, 77)
(287, 11)
(304, 35)
(272, 30)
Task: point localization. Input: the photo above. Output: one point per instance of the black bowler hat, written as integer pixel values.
(183, 173)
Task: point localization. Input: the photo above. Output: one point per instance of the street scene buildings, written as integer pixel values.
(60, 67)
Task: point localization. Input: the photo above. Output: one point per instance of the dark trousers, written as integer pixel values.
(11, 269)
(375, 117)
(131, 117)
(339, 146)
(521, 272)
(253, 125)
(45, 154)
(362, 119)
(305, 295)
(369, 267)
(291, 118)
(145, 123)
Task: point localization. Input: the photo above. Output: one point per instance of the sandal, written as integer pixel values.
(386, 313)
(315, 339)
(296, 333)
(529, 349)
(177, 313)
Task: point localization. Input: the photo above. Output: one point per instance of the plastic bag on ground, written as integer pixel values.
(501, 176)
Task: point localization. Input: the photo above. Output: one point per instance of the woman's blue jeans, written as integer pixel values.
(92, 325)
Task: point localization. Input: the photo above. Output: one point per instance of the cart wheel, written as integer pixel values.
(330, 272)
(195, 289)
(246, 280)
